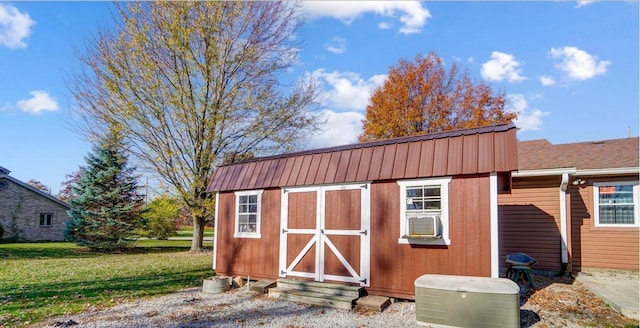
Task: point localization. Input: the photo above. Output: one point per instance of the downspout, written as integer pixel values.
(563, 222)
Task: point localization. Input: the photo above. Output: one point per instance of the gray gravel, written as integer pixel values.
(235, 308)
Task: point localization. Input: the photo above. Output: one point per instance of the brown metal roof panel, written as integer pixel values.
(413, 160)
(322, 169)
(253, 176)
(388, 159)
(215, 180)
(354, 164)
(332, 168)
(304, 170)
(485, 152)
(400, 161)
(470, 159)
(270, 173)
(278, 167)
(440, 157)
(427, 158)
(237, 183)
(286, 172)
(343, 166)
(505, 151)
(365, 163)
(231, 173)
(313, 169)
(376, 163)
(248, 173)
(261, 173)
(455, 155)
(295, 170)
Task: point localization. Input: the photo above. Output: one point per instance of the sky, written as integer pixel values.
(569, 69)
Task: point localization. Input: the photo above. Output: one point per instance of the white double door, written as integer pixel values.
(325, 233)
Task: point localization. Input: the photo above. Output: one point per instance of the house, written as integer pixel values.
(29, 214)
(377, 214)
(574, 206)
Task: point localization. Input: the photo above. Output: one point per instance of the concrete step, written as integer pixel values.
(315, 298)
(322, 287)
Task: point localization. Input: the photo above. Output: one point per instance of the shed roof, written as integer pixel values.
(592, 155)
(456, 152)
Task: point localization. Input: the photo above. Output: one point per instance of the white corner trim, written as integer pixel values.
(493, 203)
(215, 231)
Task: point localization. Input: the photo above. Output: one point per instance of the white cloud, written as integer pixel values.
(341, 128)
(347, 90)
(15, 27)
(577, 63)
(338, 45)
(547, 80)
(412, 15)
(501, 67)
(582, 3)
(528, 119)
(39, 101)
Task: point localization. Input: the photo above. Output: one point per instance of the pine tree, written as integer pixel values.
(106, 204)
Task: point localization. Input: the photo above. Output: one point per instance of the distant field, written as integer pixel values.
(42, 280)
(188, 232)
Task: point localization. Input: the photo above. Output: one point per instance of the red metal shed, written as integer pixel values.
(377, 214)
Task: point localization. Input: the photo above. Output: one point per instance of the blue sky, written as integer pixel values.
(569, 69)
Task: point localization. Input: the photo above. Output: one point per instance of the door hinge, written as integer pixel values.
(364, 186)
(364, 281)
(363, 232)
(284, 230)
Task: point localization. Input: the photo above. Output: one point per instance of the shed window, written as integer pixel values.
(46, 219)
(424, 211)
(248, 206)
(616, 204)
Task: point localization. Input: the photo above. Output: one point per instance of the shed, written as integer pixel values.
(377, 214)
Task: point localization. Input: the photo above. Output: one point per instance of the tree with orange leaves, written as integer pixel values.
(422, 97)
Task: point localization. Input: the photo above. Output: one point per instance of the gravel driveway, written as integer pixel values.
(235, 308)
(557, 302)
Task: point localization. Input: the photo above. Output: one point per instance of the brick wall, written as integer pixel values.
(20, 210)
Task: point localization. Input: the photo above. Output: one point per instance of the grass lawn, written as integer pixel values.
(42, 280)
(188, 232)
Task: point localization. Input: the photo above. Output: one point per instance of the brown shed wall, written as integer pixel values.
(600, 247)
(253, 257)
(395, 267)
(529, 221)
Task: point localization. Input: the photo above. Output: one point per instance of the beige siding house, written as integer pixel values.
(574, 206)
(29, 214)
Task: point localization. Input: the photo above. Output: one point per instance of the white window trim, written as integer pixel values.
(236, 233)
(444, 216)
(596, 203)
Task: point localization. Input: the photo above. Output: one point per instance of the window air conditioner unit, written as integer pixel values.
(419, 227)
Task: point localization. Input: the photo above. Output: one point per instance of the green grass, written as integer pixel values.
(188, 232)
(43, 280)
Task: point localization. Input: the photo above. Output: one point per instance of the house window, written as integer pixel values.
(424, 211)
(46, 219)
(248, 214)
(616, 204)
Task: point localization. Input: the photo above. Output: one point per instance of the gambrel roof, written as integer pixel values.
(457, 152)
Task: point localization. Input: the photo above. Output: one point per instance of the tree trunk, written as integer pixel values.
(198, 234)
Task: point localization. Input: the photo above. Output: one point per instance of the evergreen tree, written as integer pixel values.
(106, 204)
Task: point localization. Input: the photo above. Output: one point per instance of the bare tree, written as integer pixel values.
(190, 82)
